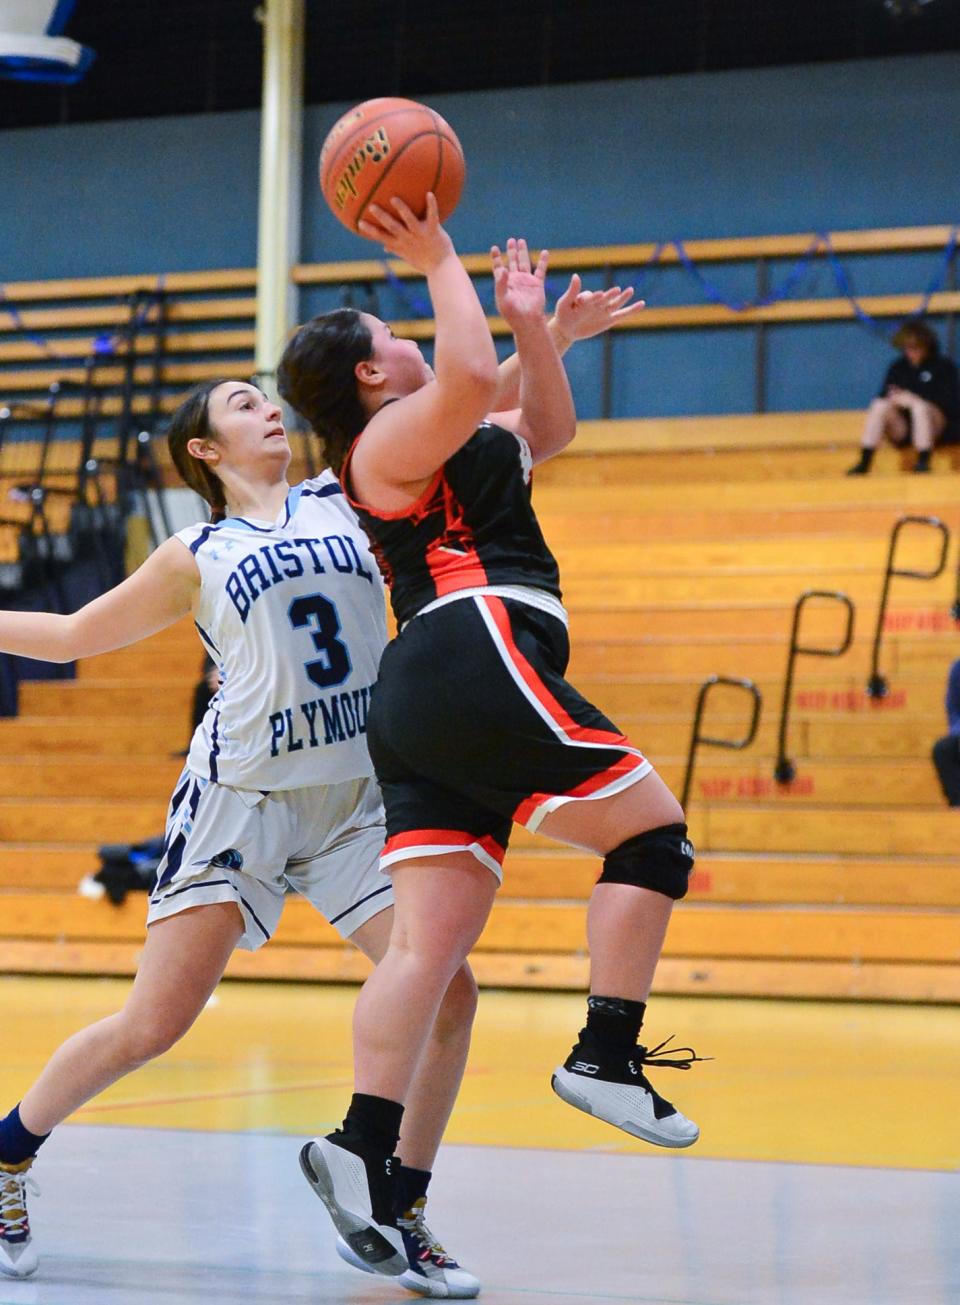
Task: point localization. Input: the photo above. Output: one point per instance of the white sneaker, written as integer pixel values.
(615, 1089)
(352, 1188)
(18, 1255)
(432, 1271)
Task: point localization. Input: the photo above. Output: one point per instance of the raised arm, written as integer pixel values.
(157, 594)
(546, 418)
(579, 314)
(407, 441)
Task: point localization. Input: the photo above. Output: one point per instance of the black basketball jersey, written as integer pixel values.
(473, 525)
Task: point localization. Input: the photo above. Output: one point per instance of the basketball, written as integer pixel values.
(386, 148)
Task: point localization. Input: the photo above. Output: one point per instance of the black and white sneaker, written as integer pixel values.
(432, 1270)
(18, 1255)
(615, 1089)
(360, 1196)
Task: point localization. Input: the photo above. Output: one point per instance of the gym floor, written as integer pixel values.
(826, 1170)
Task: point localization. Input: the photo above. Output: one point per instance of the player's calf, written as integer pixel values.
(603, 1075)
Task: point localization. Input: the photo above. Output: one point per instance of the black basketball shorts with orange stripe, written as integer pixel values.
(472, 726)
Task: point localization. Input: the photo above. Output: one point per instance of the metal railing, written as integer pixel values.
(785, 771)
(877, 684)
(696, 738)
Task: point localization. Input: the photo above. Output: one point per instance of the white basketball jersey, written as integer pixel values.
(293, 615)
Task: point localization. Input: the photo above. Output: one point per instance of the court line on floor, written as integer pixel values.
(187, 1097)
(144, 1103)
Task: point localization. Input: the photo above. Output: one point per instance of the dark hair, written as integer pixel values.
(191, 421)
(317, 376)
(919, 333)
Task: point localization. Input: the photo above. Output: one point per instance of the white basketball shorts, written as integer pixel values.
(230, 845)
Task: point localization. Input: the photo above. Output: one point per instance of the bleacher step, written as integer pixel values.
(721, 977)
(924, 935)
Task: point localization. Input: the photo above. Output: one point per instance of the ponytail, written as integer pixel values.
(317, 376)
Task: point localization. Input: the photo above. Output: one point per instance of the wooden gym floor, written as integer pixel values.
(826, 1172)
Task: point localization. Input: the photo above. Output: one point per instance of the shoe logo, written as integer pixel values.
(584, 1067)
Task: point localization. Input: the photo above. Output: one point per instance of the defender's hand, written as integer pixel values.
(581, 314)
(520, 293)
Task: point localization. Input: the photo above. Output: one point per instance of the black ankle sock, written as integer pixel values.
(411, 1185)
(866, 458)
(614, 1022)
(923, 460)
(16, 1142)
(371, 1124)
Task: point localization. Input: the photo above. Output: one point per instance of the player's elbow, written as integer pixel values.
(470, 395)
(481, 380)
(547, 438)
(67, 640)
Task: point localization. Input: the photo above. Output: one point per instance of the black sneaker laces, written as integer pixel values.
(657, 1056)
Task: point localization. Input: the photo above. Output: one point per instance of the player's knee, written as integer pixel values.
(144, 1040)
(435, 957)
(660, 859)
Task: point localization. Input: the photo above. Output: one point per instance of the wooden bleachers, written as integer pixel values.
(209, 315)
(841, 884)
(684, 543)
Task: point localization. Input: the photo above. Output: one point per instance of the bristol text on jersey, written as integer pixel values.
(289, 559)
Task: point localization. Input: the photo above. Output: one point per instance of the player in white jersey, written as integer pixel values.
(278, 790)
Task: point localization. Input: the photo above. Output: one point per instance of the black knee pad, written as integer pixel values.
(660, 859)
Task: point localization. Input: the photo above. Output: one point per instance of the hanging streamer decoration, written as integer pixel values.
(821, 245)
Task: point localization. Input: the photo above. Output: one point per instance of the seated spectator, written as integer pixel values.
(946, 751)
(918, 401)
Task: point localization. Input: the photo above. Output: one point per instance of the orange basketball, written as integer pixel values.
(390, 147)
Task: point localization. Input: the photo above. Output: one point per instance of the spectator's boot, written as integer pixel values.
(863, 466)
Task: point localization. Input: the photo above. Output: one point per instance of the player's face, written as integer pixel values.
(915, 352)
(401, 359)
(247, 425)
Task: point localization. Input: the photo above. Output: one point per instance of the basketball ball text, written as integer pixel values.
(373, 150)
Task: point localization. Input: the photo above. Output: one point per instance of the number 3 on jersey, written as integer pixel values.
(319, 615)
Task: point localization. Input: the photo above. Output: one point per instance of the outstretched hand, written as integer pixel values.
(582, 313)
(520, 293)
(421, 242)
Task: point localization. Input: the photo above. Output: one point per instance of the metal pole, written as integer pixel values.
(785, 771)
(877, 684)
(281, 168)
(697, 738)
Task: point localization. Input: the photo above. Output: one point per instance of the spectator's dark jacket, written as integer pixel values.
(936, 381)
(953, 698)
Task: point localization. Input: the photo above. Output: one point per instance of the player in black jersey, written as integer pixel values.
(473, 725)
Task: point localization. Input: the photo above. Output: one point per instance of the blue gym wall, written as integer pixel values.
(831, 146)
